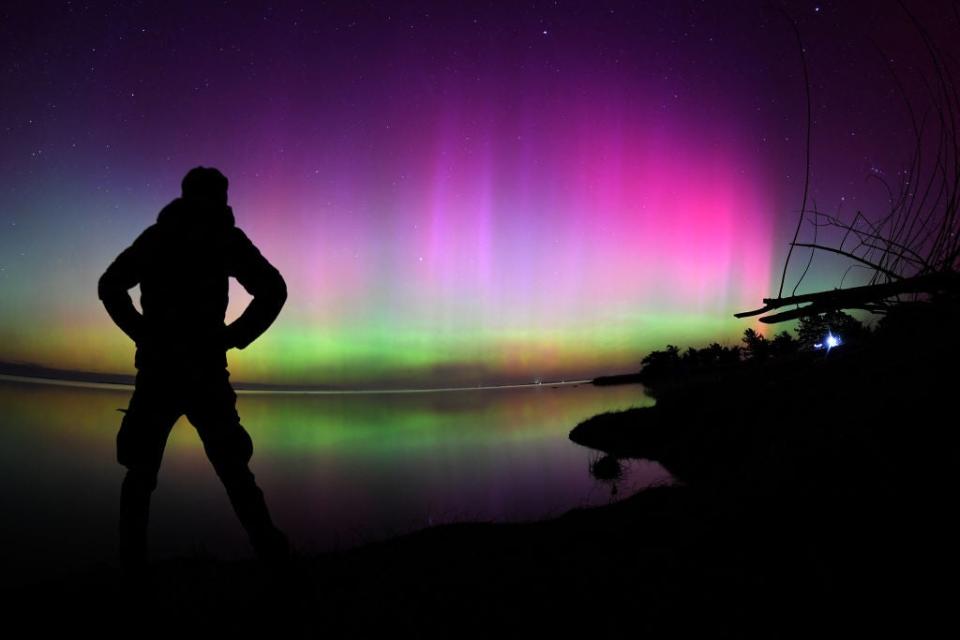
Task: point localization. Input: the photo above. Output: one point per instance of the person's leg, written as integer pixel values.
(212, 411)
(140, 443)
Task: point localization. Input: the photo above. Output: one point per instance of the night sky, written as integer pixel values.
(457, 193)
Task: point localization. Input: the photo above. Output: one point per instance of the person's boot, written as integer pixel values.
(271, 546)
(269, 543)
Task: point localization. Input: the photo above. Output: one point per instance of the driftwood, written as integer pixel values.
(872, 297)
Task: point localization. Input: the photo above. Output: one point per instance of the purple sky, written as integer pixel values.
(456, 192)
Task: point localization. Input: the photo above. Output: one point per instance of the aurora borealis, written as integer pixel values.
(456, 193)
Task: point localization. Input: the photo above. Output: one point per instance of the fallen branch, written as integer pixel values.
(865, 297)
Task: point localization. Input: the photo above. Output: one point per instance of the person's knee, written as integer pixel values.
(235, 474)
(228, 446)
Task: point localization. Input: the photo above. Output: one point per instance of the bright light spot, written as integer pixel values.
(829, 342)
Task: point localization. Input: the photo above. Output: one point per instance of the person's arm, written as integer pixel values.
(261, 280)
(123, 274)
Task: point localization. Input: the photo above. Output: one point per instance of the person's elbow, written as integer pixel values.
(280, 290)
(106, 288)
(270, 289)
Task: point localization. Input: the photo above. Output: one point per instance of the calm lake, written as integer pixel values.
(337, 470)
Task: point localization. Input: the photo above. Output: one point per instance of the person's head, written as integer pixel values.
(206, 184)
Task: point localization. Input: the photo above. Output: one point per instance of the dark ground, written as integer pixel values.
(816, 499)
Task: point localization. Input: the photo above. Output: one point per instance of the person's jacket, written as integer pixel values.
(182, 264)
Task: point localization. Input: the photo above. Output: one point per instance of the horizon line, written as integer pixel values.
(118, 386)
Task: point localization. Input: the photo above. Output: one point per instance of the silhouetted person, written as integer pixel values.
(182, 264)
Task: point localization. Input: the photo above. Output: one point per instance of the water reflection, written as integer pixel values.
(337, 470)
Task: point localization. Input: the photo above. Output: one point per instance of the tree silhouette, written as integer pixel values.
(660, 364)
(757, 347)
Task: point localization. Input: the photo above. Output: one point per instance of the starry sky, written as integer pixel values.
(457, 193)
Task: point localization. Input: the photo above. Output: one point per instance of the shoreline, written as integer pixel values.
(814, 498)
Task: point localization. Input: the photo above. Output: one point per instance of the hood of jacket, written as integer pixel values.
(193, 213)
